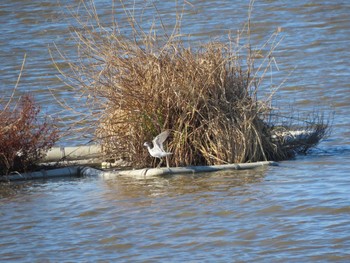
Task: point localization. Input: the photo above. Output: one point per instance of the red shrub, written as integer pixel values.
(24, 139)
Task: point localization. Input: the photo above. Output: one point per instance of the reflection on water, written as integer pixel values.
(297, 212)
(182, 184)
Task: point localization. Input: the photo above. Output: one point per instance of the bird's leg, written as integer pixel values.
(167, 161)
(160, 162)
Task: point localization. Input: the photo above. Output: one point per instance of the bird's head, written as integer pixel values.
(147, 144)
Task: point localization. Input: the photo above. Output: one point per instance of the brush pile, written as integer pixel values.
(144, 83)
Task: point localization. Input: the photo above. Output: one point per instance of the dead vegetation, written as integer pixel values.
(147, 80)
(24, 138)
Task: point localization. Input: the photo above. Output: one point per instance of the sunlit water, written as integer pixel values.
(297, 212)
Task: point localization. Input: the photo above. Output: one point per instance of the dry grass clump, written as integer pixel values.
(202, 95)
(146, 82)
(24, 139)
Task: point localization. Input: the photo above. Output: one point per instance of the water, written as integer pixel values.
(297, 212)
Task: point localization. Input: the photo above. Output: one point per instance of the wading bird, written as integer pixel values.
(158, 151)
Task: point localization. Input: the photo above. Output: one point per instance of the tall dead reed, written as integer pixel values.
(146, 81)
